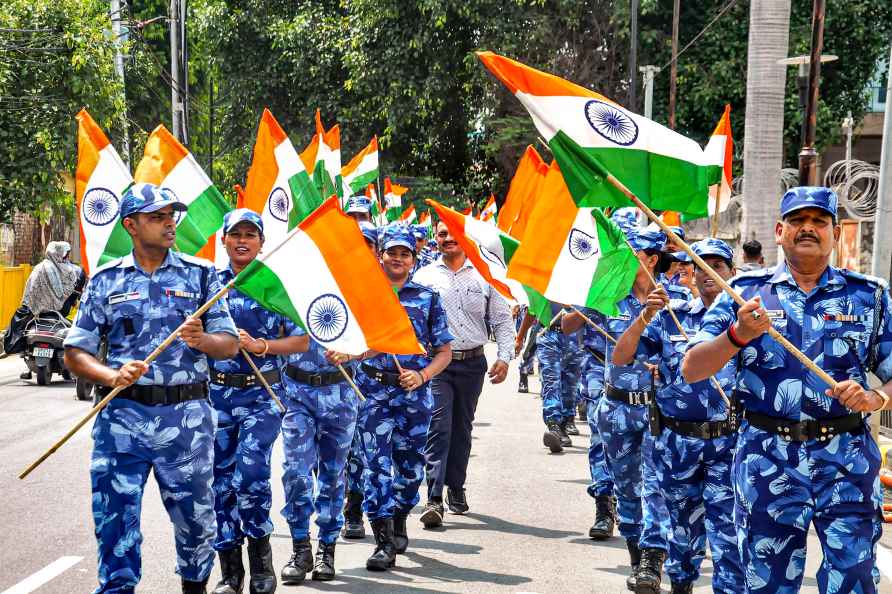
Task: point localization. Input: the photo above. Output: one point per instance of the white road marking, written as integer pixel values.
(36, 580)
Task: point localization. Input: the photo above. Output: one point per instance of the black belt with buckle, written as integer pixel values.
(822, 430)
(316, 380)
(467, 354)
(244, 380)
(388, 378)
(698, 429)
(637, 398)
(159, 395)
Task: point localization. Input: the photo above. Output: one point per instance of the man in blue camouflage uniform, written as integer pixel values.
(805, 454)
(559, 358)
(697, 432)
(248, 419)
(425, 255)
(162, 420)
(394, 420)
(623, 422)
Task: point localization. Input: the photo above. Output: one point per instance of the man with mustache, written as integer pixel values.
(805, 454)
(472, 307)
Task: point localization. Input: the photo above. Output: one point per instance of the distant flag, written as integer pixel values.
(100, 181)
(592, 137)
(322, 159)
(341, 296)
(425, 221)
(362, 169)
(489, 211)
(408, 215)
(279, 187)
(375, 211)
(393, 201)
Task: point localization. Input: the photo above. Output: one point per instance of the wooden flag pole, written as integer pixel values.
(553, 320)
(262, 379)
(715, 217)
(350, 381)
(808, 363)
(595, 326)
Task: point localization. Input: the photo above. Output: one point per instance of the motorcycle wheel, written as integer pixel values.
(43, 376)
(83, 389)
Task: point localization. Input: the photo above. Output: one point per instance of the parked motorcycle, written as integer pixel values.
(43, 353)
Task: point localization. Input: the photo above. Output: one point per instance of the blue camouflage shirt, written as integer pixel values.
(257, 321)
(633, 377)
(844, 325)
(428, 318)
(138, 311)
(676, 398)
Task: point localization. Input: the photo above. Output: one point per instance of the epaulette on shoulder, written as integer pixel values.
(752, 276)
(107, 266)
(873, 281)
(195, 261)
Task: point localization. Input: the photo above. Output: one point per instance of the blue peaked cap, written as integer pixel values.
(396, 234)
(809, 197)
(143, 197)
(239, 215)
(713, 247)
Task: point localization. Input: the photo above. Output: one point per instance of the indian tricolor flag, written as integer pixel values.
(322, 159)
(573, 255)
(408, 215)
(375, 210)
(721, 143)
(278, 186)
(424, 220)
(100, 181)
(592, 137)
(341, 296)
(393, 199)
(489, 211)
(518, 202)
(167, 163)
(362, 169)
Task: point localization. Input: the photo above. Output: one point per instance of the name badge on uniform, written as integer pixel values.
(122, 297)
(776, 314)
(677, 338)
(177, 293)
(844, 318)
(624, 317)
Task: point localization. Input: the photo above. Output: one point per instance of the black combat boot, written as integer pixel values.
(194, 587)
(384, 556)
(553, 437)
(582, 412)
(685, 588)
(324, 568)
(605, 518)
(565, 439)
(400, 533)
(260, 560)
(300, 564)
(650, 572)
(232, 572)
(635, 562)
(522, 385)
(569, 426)
(353, 524)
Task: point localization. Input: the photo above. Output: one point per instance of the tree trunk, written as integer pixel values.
(764, 128)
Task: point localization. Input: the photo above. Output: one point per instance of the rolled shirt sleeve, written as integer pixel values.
(502, 325)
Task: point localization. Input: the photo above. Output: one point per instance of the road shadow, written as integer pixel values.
(492, 523)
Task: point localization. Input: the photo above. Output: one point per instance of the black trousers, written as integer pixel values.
(456, 391)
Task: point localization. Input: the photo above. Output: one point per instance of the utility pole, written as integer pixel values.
(119, 70)
(633, 54)
(179, 87)
(808, 156)
(673, 70)
(211, 127)
(882, 239)
(649, 72)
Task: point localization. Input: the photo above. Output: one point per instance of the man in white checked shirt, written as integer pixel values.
(472, 308)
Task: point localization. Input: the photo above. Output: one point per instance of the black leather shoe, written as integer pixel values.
(384, 556)
(353, 524)
(635, 562)
(232, 572)
(432, 516)
(194, 587)
(300, 564)
(522, 385)
(323, 570)
(685, 588)
(457, 501)
(605, 518)
(553, 437)
(400, 533)
(569, 427)
(25, 375)
(260, 560)
(650, 572)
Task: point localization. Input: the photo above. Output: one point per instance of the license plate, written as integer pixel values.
(40, 352)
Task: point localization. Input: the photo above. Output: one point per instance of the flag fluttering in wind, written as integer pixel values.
(375, 210)
(362, 169)
(522, 192)
(168, 164)
(341, 296)
(592, 137)
(278, 187)
(408, 215)
(393, 201)
(490, 211)
(573, 255)
(721, 143)
(322, 159)
(100, 181)
(424, 219)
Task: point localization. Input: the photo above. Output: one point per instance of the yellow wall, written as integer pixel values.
(12, 286)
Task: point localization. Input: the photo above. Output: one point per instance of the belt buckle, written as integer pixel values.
(158, 396)
(706, 430)
(637, 398)
(250, 381)
(315, 380)
(823, 432)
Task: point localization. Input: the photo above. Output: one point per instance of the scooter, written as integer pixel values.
(44, 352)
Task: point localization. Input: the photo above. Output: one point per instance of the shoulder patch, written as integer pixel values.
(873, 281)
(752, 277)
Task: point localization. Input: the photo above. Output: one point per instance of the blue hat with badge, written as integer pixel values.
(358, 204)
(713, 247)
(396, 234)
(240, 215)
(369, 232)
(143, 197)
(809, 197)
(648, 239)
(419, 231)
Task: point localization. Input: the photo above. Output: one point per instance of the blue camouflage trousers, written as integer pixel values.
(393, 426)
(641, 510)
(602, 481)
(316, 433)
(355, 465)
(528, 356)
(176, 443)
(559, 361)
(695, 478)
(782, 487)
(248, 423)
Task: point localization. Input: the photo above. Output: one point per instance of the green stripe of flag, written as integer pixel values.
(359, 183)
(265, 287)
(201, 221)
(306, 198)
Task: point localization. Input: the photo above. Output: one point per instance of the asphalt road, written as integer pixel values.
(526, 532)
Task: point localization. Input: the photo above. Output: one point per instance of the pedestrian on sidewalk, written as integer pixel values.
(473, 310)
(161, 421)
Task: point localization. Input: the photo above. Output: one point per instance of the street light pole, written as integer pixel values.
(649, 72)
(119, 70)
(179, 97)
(633, 55)
(882, 239)
(808, 156)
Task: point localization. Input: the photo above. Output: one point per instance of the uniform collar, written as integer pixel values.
(830, 278)
(171, 259)
(695, 306)
(442, 264)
